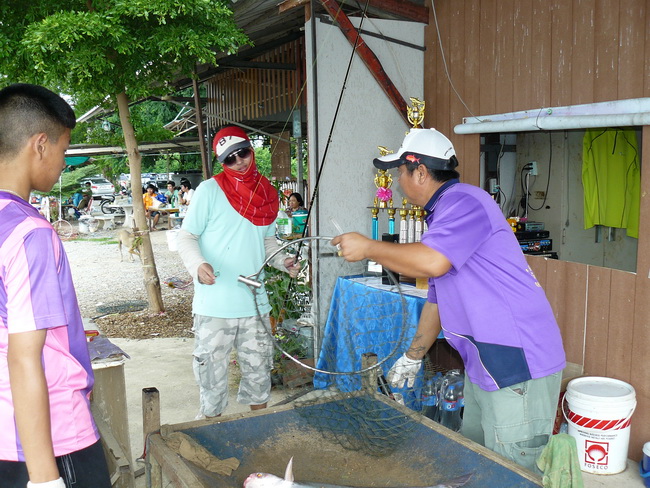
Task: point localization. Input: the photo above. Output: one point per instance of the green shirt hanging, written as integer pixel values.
(611, 179)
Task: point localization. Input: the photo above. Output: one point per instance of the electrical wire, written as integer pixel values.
(336, 112)
(444, 62)
(505, 199)
(499, 170)
(523, 186)
(548, 179)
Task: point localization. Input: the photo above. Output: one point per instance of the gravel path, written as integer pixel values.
(105, 284)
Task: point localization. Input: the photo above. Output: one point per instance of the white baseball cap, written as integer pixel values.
(424, 146)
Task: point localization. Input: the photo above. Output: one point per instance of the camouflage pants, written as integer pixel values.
(214, 339)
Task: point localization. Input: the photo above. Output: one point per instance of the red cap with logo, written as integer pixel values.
(228, 140)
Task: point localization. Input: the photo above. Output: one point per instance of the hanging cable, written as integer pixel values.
(548, 179)
(444, 62)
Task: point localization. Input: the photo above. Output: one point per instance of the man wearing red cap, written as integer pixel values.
(228, 231)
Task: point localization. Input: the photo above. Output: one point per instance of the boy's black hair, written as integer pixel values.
(26, 110)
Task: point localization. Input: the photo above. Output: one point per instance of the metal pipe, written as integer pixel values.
(249, 281)
(615, 113)
(554, 123)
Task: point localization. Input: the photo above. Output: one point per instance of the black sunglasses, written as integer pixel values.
(232, 157)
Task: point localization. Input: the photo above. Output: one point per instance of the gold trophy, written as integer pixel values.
(415, 114)
(383, 182)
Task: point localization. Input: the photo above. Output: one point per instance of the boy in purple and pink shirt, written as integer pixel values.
(48, 437)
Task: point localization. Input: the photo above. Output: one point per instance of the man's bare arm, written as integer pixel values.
(427, 332)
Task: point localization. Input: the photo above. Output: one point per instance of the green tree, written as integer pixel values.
(121, 49)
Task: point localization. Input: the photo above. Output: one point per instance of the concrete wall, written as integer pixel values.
(341, 171)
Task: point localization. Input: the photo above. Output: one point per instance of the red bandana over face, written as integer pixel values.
(249, 193)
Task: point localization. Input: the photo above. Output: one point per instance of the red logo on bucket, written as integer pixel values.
(596, 452)
(597, 424)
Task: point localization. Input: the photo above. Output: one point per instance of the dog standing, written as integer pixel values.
(129, 241)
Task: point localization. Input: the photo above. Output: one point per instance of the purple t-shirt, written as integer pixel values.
(36, 292)
(493, 310)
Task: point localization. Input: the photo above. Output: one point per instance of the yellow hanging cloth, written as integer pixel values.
(611, 178)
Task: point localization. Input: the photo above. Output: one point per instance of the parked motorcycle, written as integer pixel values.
(106, 205)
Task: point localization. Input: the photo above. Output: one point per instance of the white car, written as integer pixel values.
(100, 186)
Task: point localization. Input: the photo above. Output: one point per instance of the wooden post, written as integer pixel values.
(111, 416)
(281, 157)
(150, 425)
(205, 161)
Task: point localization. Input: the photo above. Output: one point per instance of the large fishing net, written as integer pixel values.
(339, 328)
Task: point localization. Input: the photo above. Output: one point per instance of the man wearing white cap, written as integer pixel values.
(483, 295)
(228, 231)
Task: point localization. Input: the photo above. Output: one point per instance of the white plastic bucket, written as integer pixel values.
(598, 412)
(171, 240)
(87, 224)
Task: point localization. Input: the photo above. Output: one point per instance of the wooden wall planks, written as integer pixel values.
(541, 55)
(254, 92)
(522, 55)
(504, 54)
(487, 59)
(606, 38)
(561, 51)
(639, 377)
(621, 323)
(631, 53)
(597, 321)
(564, 52)
(606, 314)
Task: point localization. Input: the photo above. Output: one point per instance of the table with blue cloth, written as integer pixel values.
(366, 316)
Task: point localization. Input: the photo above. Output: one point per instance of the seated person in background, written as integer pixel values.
(186, 192)
(151, 203)
(172, 194)
(86, 195)
(296, 204)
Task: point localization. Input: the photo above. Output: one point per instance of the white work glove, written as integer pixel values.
(48, 484)
(404, 369)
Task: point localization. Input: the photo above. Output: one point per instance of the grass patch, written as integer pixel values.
(99, 240)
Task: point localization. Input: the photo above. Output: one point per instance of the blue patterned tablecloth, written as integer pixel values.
(366, 316)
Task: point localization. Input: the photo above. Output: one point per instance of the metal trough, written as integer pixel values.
(265, 440)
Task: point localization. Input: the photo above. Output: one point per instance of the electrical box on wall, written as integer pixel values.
(493, 186)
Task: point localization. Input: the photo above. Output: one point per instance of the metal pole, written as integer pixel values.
(299, 171)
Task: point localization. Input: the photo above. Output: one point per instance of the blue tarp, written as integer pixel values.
(76, 160)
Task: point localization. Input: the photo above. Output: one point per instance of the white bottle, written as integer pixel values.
(283, 223)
